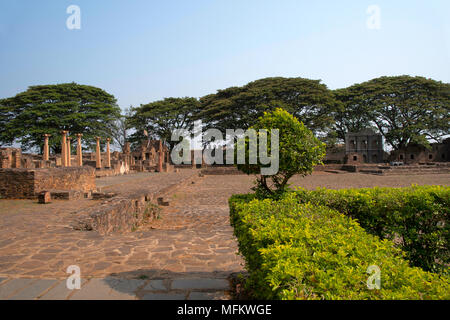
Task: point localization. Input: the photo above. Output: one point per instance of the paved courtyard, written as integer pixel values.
(188, 253)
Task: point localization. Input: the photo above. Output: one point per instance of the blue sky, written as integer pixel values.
(145, 50)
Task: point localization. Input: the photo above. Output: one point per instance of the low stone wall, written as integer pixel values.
(117, 215)
(125, 212)
(28, 183)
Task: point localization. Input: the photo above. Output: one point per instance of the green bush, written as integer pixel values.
(297, 152)
(415, 218)
(304, 251)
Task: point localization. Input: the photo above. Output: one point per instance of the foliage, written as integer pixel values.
(239, 107)
(160, 118)
(299, 151)
(48, 109)
(355, 115)
(404, 109)
(417, 217)
(304, 251)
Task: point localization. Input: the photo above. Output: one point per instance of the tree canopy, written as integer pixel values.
(160, 118)
(405, 110)
(48, 109)
(239, 107)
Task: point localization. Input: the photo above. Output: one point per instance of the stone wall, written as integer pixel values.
(28, 183)
(16, 184)
(71, 178)
(10, 158)
(121, 213)
(118, 214)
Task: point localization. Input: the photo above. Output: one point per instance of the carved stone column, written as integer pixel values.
(63, 148)
(79, 150)
(45, 155)
(98, 156)
(69, 152)
(108, 153)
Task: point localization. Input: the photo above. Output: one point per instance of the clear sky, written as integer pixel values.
(145, 50)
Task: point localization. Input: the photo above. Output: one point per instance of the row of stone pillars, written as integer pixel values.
(66, 159)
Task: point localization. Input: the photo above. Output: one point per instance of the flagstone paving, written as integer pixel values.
(190, 250)
(188, 253)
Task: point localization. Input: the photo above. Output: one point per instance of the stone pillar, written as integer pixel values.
(108, 153)
(160, 160)
(45, 155)
(69, 152)
(63, 148)
(98, 156)
(79, 150)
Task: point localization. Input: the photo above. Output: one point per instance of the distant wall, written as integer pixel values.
(27, 183)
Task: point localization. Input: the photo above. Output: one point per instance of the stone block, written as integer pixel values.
(65, 195)
(35, 290)
(102, 195)
(13, 286)
(44, 197)
(161, 202)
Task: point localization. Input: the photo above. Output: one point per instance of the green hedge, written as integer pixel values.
(305, 251)
(416, 218)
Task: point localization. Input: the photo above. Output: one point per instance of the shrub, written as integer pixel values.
(416, 218)
(304, 251)
(298, 152)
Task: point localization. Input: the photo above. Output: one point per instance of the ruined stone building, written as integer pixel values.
(416, 154)
(365, 146)
(10, 158)
(147, 156)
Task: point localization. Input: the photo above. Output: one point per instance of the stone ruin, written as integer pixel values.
(27, 175)
(151, 155)
(415, 154)
(364, 146)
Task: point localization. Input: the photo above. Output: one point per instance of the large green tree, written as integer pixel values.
(405, 110)
(354, 116)
(49, 109)
(161, 118)
(309, 101)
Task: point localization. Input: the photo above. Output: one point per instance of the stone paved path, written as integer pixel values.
(113, 288)
(187, 254)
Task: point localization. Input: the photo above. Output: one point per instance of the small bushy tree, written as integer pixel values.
(299, 152)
